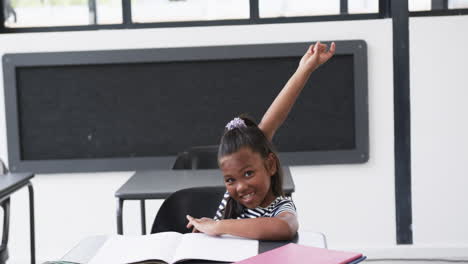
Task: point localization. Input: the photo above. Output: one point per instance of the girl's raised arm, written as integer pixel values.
(274, 117)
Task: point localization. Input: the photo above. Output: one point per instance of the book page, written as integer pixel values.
(129, 249)
(222, 248)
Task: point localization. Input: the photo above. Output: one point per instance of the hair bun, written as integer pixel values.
(236, 123)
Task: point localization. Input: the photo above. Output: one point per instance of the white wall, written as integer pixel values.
(353, 205)
(439, 123)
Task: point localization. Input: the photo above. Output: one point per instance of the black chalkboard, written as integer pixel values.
(85, 111)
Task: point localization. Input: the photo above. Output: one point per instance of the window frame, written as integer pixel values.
(444, 12)
(253, 19)
(439, 8)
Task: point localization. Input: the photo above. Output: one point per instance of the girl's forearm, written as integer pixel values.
(283, 103)
(263, 228)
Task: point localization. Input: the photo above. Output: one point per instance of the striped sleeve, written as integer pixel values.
(221, 207)
(286, 205)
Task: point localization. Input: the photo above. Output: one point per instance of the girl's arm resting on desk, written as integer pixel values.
(282, 227)
(274, 117)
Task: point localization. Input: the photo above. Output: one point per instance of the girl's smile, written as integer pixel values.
(247, 177)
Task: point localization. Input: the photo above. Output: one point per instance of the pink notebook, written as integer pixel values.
(297, 254)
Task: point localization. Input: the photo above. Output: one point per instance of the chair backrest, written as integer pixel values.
(183, 161)
(197, 158)
(197, 202)
(3, 168)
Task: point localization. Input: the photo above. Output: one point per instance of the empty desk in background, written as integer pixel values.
(144, 185)
(88, 247)
(10, 183)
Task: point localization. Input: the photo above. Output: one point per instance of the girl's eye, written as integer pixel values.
(229, 180)
(248, 173)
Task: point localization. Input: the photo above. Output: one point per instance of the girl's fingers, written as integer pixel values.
(320, 48)
(318, 53)
(191, 219)
(316, 46)
(323, 47)
(332, 48)
(330, 52)
(191, 222)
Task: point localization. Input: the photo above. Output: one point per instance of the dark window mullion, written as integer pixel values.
(92, 12)
(384, 8)
(447, 12)
(439, 4)
(402, 121)
(2, 16)
(254, 11)
(126, 12)
(344, 7)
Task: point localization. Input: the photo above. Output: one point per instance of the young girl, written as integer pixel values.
(254, 205)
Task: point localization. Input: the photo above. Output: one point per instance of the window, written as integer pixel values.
(52, 15)
(436, 5)
(144, 11)
(292, 8)
(47, 13)
(69, 15)
(363, 6)
(455, 4)
(419, 5)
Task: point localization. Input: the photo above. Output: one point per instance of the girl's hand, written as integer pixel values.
(316, 55)
(203, 225)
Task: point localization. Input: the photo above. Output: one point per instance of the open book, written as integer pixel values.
(172, 247)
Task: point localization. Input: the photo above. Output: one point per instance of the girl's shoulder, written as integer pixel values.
(282, 199)
(281, 204)
(279, 201)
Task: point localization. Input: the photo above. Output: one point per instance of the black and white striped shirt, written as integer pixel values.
(279, 205)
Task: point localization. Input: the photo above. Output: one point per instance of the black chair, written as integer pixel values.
(197, 202)
(183, 161)
(197, 158)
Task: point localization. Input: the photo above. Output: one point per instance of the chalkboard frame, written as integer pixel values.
(11, 62)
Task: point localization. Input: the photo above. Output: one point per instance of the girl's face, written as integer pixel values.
(247, 177)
